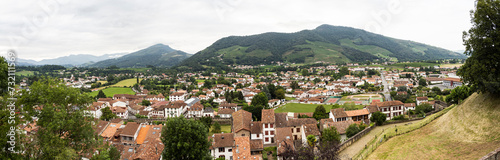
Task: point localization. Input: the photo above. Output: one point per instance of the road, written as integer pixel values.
(386, 88)
(360, 143)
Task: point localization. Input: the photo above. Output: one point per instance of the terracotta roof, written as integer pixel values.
(281, 119)
(150, 150)
(241, 120)
(104, 99)
(196, 107)
(357, 112)
(338, 112)
(242, 148)
(142, 134)
(222, 140)
(311, 129)
(225, 111)
(422, 98)
(176, 104)
(177, 94)
(453, 79)
(340, 125)
(268, 116)
(116, 120)
(130, 129)
(110, 130)
(256, 127)
(228, 105)
(256, 145)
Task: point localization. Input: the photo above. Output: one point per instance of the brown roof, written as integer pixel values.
(256, 145)
(104, 99)
(110, 130)
(116, 120)
(453, 79)
(241, 120)
(130, 129)
(340, 125)
(176, 104)
(242, 148)
(228, 105)
(151, 149)
(222, 140)
(311, 129)
(309, 114)
(281, 119)
(283, 134)
(409, 104)
(225, 111)
(177, 94)
(101, 126)
(422, 98)
(301, 121)
(268, 116)
(389, 103)
(256, 127)
(338, 112)
(372, 108)
(196, 107)
(357, 112)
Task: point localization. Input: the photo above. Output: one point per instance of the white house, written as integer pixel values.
(421, 99)
(175, 109)
(225, 113)
(177, 96)
(268, 128)
(222, 145)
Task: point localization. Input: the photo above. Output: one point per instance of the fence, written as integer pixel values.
(354, 138)
(391, 132)
(495, 155)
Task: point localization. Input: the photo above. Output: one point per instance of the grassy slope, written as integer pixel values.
(468, 131)
(223, 128)
(127, 82)
(109, 92)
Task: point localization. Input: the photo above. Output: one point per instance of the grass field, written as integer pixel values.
(223, 128)
(103, 82)
(127, 82)
(300, 108)
(451, 65)
(111, 91)
(468, 131)
(290, 98)
(25, 73)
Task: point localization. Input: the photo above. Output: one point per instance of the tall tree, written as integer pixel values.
(352, 130)
(185, 139)
(216, 128)
(260, 99)
(280, 94)
(378, 117)
(482, 44)
(3, 75)
(64, 129)
(320, 113)
(330, 135)
(207, 121)
(100, 94)
(107, 114)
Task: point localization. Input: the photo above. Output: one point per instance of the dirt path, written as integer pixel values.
(360, 144)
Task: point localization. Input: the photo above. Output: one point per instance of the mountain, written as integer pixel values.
(159, 55)
(71, 60)
(326, 43)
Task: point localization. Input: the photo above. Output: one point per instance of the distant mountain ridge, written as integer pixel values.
(326, 43)
(71, 60)
(158, 55)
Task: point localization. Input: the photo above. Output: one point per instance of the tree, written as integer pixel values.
(107, 114)
(294, 85)
(426, 107)
(330, 134)
(422, 82)
(216, 128)
(311, 140)
(482, 45)
(207, 121)
(320, 113)
(280, 94)
(436, 90)
(378, 117)
(65, 130)
(255, 110)
(352, 130)
(459, 93)
(185, 139)
(260, 99)
(145, 102)
(3, 75)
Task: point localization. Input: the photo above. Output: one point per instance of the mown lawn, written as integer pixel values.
(128, 82)
(111, 91)
(300, 108)
(223, 128)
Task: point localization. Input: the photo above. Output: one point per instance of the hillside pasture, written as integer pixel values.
(111, 91)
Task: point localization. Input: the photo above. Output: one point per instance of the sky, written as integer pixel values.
(45, 29)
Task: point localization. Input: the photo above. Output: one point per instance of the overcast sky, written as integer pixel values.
(42, 29)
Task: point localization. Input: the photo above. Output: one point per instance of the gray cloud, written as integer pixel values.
(102, 26)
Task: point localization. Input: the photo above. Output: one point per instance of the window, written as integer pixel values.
(242, 135)
(272, 132)
(229, 150)
(271, 125)
(267, 139)
(258, 135)
(221, 149)
(399, 107)
(292, 130)
(266, 126)
(267, 132)
(298, 129)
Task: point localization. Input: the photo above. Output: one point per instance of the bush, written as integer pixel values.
(352, 130)
(378, 117)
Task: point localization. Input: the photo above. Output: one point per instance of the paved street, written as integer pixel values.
(386, 88)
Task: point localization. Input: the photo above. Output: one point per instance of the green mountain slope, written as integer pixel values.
(325, 43)
(157, 55)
